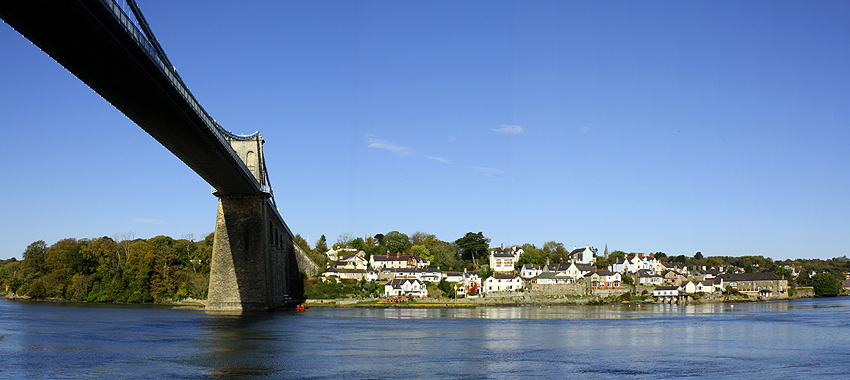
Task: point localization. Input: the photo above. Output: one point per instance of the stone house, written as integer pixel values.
(675, 278)
(765, 284)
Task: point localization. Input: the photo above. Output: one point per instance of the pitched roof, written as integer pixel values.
(602, 272)
(667, 287)
(584, 267)
(762, 276)
(397, 282)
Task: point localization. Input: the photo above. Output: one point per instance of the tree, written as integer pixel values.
(396, 241)
(447, 288)
(322, 244)
(421, 251)
(301, 243)
(358, 244)
(473, 246)
(531, 255)
(443, 255)
(826, 284)
(343, 240)
(698, 256)
(34, 255)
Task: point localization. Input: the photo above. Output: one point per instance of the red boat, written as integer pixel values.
(302, 307)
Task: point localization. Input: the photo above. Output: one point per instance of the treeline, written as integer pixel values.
(125, 269)
(468, 251)
(111, 270)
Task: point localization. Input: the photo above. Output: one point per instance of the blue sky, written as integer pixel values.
(719, 127)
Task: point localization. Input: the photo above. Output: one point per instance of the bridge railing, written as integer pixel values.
(221, 134)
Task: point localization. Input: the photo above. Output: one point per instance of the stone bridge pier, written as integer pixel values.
(254, 265)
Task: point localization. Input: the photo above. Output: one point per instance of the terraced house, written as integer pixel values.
(764, 284)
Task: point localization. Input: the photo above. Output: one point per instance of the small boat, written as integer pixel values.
(302, 307)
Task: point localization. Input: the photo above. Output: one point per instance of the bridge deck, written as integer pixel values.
(88, 39)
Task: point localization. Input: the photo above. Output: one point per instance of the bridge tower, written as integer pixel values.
(252, 249)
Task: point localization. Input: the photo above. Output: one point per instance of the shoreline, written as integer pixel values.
(524, 301)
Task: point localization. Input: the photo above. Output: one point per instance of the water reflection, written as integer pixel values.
(240, 346)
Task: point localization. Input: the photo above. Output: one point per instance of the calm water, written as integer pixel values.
(800, 339)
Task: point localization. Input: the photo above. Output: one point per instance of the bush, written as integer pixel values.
(36, 290)
(826, 285)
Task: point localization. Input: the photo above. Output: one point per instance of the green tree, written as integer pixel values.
(698, 256)
(34, 255)
(358, 244)
(826, 284)
(556, 252)
(531, 255)
(396, 241)
(301, 243)
(322, 244)
(473, 246)
(443, 255)
(447, 288)
(421, 251)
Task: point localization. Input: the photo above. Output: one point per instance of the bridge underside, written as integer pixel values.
(254, 264)
(86, 38)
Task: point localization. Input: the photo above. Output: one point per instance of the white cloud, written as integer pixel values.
(487, 171)
(393, 148)
(586, 129)
(149, 221)
(439, 159)
(509, 130)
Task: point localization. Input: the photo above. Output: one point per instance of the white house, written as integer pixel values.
(467, 282)
(350, 274)
(424, 274)
(691, 287)
(648, 277)
(576, 271)
(354, 261)
(503, 282)
(667, 293)
(405, 287)
(529, 271)
(398, 261)
(504, 260)
(582, 255)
